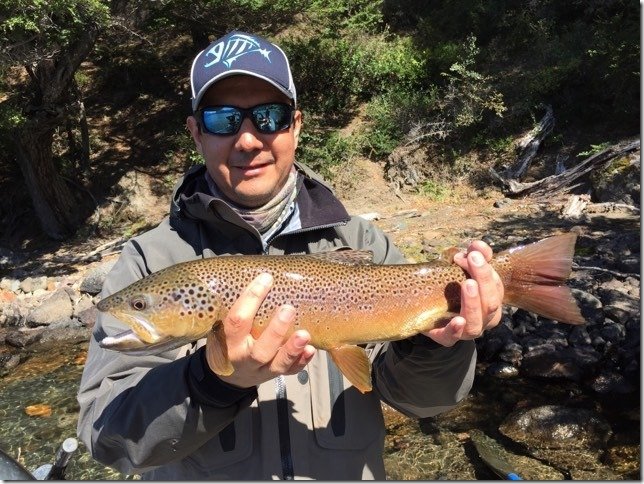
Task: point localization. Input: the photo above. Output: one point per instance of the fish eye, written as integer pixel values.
(138, 303)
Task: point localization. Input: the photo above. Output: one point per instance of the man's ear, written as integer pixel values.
(297, 126)
(195, 132)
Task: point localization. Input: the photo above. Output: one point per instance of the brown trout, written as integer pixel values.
(342, 299)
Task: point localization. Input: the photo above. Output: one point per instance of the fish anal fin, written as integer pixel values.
(218, 359)
(354, 365)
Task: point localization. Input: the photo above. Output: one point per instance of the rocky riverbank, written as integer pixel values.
(50, 300)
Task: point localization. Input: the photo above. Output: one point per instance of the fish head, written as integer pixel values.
(161, 310)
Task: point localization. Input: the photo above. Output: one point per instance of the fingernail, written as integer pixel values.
(471, 288)
(287, 313)
(300, 341)
(265, 279)
(477, 259)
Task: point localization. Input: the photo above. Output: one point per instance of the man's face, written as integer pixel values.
(249, 167)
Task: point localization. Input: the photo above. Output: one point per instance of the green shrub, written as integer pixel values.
(323, 149)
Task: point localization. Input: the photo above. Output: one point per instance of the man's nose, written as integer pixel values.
(247, 137)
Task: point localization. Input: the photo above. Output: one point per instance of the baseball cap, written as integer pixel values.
(240, 53)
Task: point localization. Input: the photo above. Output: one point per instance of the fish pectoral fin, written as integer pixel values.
(354, 365)
(222, 365)
(447, 255)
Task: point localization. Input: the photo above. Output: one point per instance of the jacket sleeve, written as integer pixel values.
(416, 376)
(139, 412)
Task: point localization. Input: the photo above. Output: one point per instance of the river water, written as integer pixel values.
(438, 448)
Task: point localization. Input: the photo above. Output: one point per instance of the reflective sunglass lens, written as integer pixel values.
(226, 120)
(223, 120)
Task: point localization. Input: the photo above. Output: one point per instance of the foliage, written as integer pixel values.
(435, 190)
(446, 75)
(469, 93)
(594, 149)
(35, 29)
(322, 149)
(392, 116)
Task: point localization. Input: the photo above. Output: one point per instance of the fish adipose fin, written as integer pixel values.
(220, 361)
(354, 365)
(537, 281)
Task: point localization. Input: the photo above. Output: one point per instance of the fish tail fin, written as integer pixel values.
(537, 278)
(219, 359)
(354, 365)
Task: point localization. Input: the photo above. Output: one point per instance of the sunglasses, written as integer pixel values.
(226, 120)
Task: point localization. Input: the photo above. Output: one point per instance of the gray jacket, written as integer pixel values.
(169, 417)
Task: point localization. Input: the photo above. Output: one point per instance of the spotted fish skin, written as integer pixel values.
(341, 298)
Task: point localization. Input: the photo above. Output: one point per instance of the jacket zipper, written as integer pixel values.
(283, 429)
(284, 436)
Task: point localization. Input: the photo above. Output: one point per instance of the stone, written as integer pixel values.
(57, 308)
(93, 281)
(557, 427)
(570, 363)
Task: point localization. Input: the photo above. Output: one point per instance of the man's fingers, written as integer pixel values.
(294, 355)
(483, 273)
(449, 334)
(239, 320)
(272, 338)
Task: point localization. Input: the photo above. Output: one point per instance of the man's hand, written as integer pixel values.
(481, 298)
(272, 353)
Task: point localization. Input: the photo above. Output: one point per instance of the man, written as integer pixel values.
(285, 412)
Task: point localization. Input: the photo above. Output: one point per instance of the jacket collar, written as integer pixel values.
(318, 206)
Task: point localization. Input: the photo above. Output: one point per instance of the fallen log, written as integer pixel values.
(564, 182)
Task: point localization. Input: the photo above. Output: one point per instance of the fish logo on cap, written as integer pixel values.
(233, 48)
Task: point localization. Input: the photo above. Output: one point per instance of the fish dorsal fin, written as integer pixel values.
(354, 365)
(346, 256)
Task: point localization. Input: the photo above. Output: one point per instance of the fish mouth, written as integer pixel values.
(143, 329)
(130, 343)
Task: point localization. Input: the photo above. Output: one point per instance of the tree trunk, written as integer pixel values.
(55, 206)
(52, 94)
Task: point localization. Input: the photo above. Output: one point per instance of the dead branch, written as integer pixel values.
(622, 275)
(529, 145)
(563, 182)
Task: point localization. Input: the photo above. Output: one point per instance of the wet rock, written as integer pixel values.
(610, 382)
(69, 334)
(512, 354)
(549, 361)
(57, 308)
(557, 427)
(502, 370)
(93, 281)
(494, 341)
(8, 361)
(23, 337)
(579, 336)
